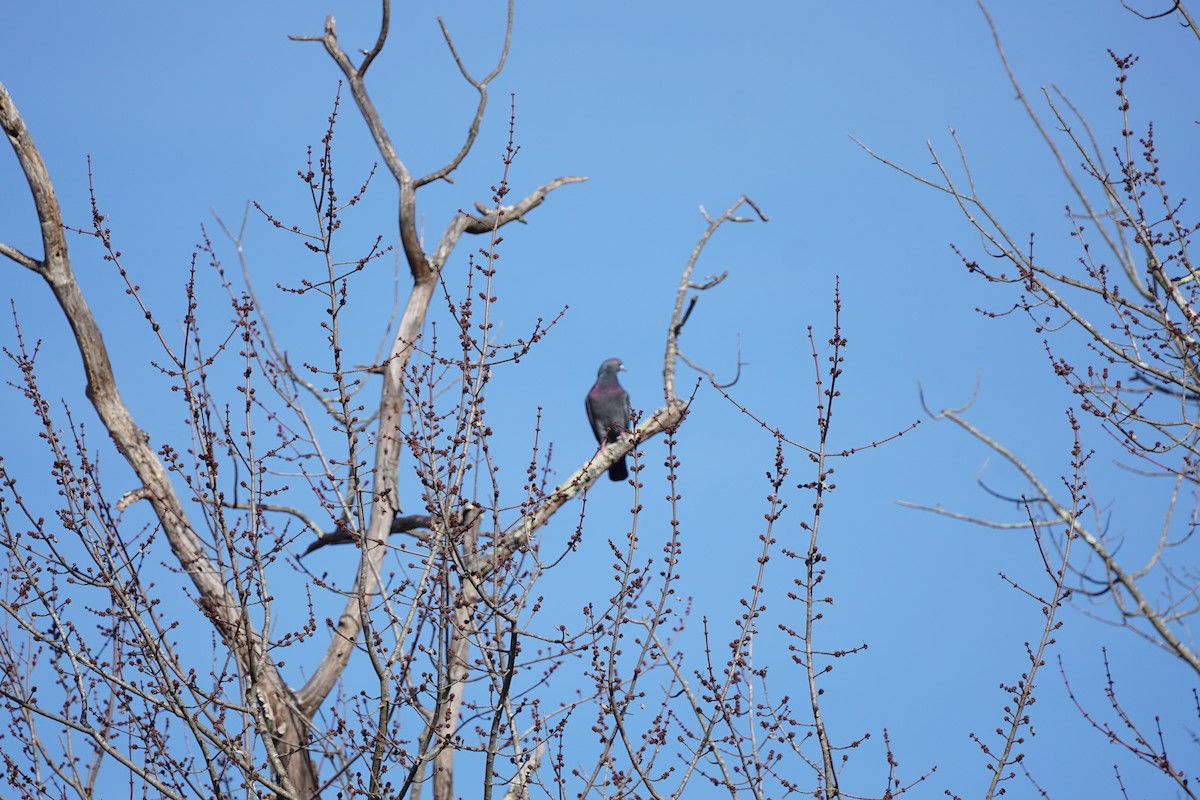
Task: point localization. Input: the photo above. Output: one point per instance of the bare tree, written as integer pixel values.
(449, 667)
(441, 616)
(248, 721)
(1131, 300)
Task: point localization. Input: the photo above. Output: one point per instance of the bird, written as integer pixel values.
(608, 411)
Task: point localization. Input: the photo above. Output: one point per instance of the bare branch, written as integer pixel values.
(491, 218)
(480, 86)
(677, 314)
(410, 237)
(518, 787)
(29, 262)
(385, 24)
(1188, 20)
(983, 523)
(1119, 576)
(219, 604)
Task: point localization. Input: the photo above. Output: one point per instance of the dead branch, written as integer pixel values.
(287, 728)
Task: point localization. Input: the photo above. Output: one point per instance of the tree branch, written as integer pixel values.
(215, 599)
(481, 87)
(27, 261)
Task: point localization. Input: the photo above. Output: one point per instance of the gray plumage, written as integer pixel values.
(608, 411)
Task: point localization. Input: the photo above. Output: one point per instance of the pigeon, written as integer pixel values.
(608, 411)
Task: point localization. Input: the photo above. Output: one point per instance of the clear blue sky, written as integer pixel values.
(189, 108)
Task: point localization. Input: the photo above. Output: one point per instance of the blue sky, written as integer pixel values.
(187, 109)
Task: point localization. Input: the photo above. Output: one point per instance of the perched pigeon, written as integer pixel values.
(608, 411)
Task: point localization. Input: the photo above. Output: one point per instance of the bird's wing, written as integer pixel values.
(593, 414)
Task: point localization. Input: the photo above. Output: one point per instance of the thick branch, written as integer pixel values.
(385, 501)
(37, 177)
(217, 602)
(386, 491)
(27, 261)
(519, 534)
(491, 218)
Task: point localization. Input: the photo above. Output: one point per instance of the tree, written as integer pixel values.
(462, 660)
(458, 617)
(1131, 298)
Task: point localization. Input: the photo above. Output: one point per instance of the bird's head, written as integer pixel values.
(610, 368)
